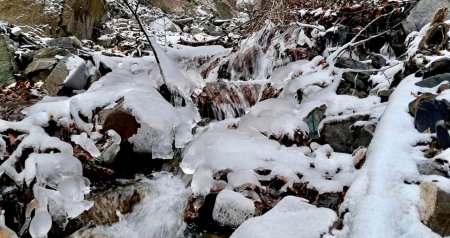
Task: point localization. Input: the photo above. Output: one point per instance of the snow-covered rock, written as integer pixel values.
(164, 24)
(232, 208)
(291, 217)
(71, 72)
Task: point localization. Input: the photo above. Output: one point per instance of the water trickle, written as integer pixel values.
(223, 100)
(159, 214)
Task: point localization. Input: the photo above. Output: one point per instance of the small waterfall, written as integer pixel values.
(223, 100)
(159, 214)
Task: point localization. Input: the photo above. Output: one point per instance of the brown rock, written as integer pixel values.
(435, 212)
(120, 120)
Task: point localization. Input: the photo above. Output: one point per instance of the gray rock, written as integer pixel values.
(435, 213)
(71, 72)
(356, 84)
(7, 62)
(440, 66)
(431, 167)
(106, 41)
(70, 43)
(50, 52)
(313, 120)
(213, 30)
(423, 14)
(40, 69)
(44, 60)
(342, 136)
(434, 81)
(429, 112)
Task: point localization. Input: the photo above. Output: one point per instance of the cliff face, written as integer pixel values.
(61, 17)
(81, 17)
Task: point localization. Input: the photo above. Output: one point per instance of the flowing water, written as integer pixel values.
(159, 214)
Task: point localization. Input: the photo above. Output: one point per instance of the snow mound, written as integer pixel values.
(244, 149)
(161, 123)
(291, 217)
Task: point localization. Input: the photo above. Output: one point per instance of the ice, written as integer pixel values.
(41, 224)
(4, 230)
(246, 149)
(174, 79)
(161, 123)
(73, 188)
(86, 143)
(159, 214)
(291, 217)
(232, 208)
(275, 117)
(238, 178)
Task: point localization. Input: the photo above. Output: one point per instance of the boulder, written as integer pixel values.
(7, 62)
(429, 112)
(120, 120)
(80, 18)
(434, 81)
(442, 136)
(106, 41)
(440, 66)
(70, 73)
(40, 69)
(435, 212)
(164, 24)
(232, 208)
(44, 60)
(354, 83)
(422, 14)
(71, 43)
(432, 167)
(342, 136)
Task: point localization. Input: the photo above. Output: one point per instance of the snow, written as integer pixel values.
(232, 208)
(291, 217)
(78, 72)
(380, 204)
(161, 123)
(163, 24)
(246, 149)
(174, 79)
